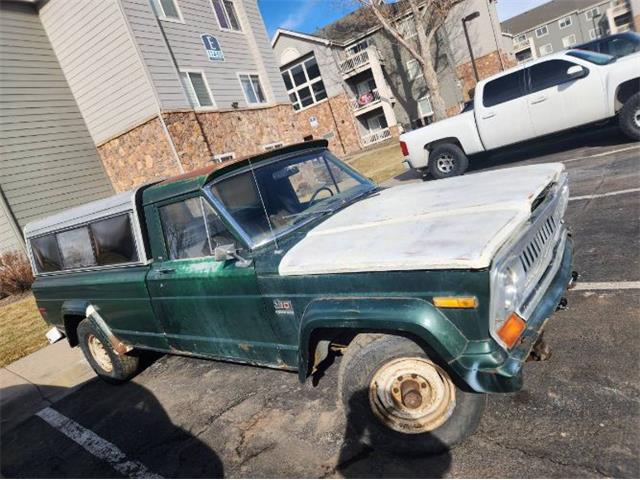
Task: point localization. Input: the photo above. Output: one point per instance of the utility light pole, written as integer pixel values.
(466, 19)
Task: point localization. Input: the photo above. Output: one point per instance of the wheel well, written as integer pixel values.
(71, 323)
(325, 343)
(625, 90)
(430, 146)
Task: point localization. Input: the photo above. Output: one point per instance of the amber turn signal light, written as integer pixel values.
(455, 302)
(511, 330)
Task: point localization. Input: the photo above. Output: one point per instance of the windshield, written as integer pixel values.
(593, 57)
(290, 191)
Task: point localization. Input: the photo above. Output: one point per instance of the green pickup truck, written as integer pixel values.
(433, 294)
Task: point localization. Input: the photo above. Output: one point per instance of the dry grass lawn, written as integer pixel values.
(22, 329)
(380, 164)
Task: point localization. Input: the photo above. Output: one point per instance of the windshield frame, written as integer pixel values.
(585, 54)
(239, 231)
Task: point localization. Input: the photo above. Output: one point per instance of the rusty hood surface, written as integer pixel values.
(455, 223)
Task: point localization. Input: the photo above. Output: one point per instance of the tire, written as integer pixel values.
(107, 364)
(629, 117)
(370, 356)
(447, 160)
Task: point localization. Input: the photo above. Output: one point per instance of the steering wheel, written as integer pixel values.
(315, 194)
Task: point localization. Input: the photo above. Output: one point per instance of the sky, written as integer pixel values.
(308, 15)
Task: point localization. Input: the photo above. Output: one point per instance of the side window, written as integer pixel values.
(46, 254)
(548, 74)
(185, 230)
(76, 249)
(113, 241)
(620, 47)
(503, 89)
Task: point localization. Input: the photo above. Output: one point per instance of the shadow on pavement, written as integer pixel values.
(366, 454)
(128, 416)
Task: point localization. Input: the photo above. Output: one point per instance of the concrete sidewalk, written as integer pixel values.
(40, 379)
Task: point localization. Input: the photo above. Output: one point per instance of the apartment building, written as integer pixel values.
(48, 160)
(560, 24)
(352, 75)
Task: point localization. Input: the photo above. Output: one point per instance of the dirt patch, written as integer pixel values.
(22, 329)
(380, 164)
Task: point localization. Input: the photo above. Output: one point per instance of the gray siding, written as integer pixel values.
(243, 51)
(48, 161)
(8, 238)
(101, 64)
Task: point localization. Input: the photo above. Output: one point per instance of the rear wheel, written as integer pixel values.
(629, 117)
(107, 364)
(398, 399)
(447, 160)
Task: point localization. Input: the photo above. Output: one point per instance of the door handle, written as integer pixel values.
(538, 100)
(488, 115)
(166, 270)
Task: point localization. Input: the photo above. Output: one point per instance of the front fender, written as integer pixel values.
(404, 315)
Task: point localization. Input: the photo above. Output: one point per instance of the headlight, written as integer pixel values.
(506, 294)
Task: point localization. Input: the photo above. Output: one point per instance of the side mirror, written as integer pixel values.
(576, 71)
(222, 253)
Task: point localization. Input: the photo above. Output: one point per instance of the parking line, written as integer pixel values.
(607, 286)
(602, 154)
(609, 194)
(96, 445)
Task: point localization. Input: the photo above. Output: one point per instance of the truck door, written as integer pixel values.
(502, 115)
(562, 95)
(207, 307)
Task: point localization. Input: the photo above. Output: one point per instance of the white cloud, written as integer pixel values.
(300, 15)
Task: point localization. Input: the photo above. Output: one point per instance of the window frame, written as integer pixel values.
(226, 13)
(570, 44)
(295, 89)
(546, 31)
(199, 107)
(264, 91)
(520, 38)
(420, 112)
(595, 33)
(159, 8)
(133, 224)
(529, 80)
(273, 146)
(419, 74)
(221, 157)
(589, 13)
(550, 45)
(562, 27)
(523, 88)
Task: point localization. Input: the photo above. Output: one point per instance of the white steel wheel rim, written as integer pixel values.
(636, 118)
(99, 354)
(388, 395)
(445, 163)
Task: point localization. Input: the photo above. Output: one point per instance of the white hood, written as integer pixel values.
(455, 223)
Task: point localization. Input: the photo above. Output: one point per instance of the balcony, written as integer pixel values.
(375, 136)
(365, 102)
(358, 62)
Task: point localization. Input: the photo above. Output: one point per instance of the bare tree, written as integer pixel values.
(429, 16)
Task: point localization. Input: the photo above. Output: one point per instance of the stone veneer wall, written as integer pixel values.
(188, 139)
(138, 156)
(487, 65)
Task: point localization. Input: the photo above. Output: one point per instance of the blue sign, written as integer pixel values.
(211, 45)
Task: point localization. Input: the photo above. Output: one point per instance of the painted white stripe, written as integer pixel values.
(609, 194)
(602, 154)
(607, 286)
(96, 445)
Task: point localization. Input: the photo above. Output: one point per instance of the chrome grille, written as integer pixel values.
(535, 249)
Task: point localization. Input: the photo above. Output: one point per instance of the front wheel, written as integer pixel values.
(447, 160)
(397, 399)
(629, 117)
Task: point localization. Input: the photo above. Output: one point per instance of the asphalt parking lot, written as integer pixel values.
(578, 415)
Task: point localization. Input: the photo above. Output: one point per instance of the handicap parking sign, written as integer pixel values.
(211, 45)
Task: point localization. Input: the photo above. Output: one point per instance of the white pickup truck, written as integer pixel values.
(554, 93)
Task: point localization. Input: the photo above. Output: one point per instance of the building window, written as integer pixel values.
(542, 31)
(224, 157)
(590, 14)
(358, 47)
(546, 49)
(304, 83)
(564, 22)
(520, 38)
(424, 106)
(197, 89)
(407, 27)
(252, 88)
(595, 33)
(273, 146)
(379, 122)
(227, 16)
(167, 10)
(569, 41)
(413, 69)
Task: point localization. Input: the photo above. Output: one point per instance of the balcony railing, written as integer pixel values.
(365, 100)
(521, 44)
(376, 136)
(620, 9)
(354, 61)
